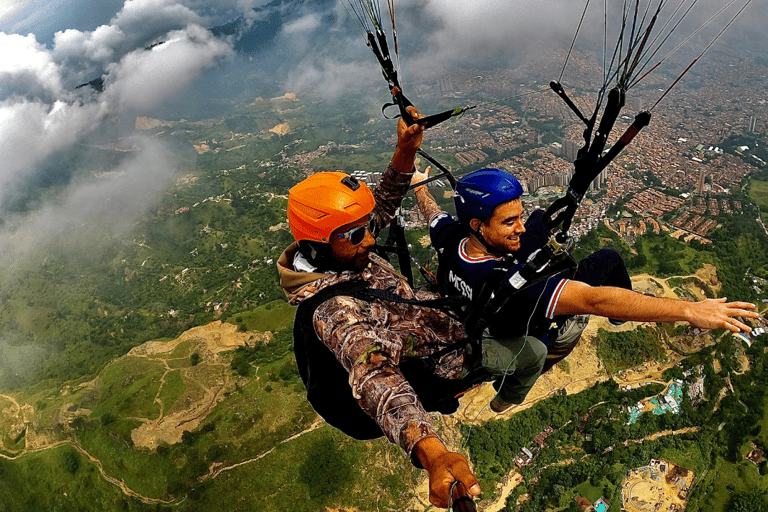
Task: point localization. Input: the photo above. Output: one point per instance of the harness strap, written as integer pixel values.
(453, 306)
(503, 283)
(448, 305)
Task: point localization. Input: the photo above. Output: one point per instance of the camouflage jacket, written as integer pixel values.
(371, 338)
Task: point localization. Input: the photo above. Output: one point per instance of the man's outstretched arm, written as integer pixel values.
(580, 298)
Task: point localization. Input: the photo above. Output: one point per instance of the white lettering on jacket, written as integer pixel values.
(460, 285)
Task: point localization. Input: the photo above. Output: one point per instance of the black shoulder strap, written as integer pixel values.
(453, 306)
(497, 290)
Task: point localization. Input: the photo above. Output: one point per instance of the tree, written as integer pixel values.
(748, 502)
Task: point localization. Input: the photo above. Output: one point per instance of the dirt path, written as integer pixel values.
(119, 483)
(218, 468)
(12, 400)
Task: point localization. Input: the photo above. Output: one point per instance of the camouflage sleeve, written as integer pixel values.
(427, 204)
(389, 193)
(371, 354)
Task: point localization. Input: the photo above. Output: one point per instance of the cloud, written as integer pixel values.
(88, 208)
(308, 23)
(30, 131)
(9, 9)
(146, 19)
(26, 68)
(143, 80)
(247, 7)
(98, 46)
(39, 115)
(42, 113)
(331, 79)
(137, 25)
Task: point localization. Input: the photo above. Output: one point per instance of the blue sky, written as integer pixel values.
(44, 18)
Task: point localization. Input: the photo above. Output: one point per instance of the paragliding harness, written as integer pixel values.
(327, 381)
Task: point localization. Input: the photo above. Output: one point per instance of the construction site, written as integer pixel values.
(661, 486)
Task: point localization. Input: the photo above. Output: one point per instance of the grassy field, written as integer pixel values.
(726, 479)
(321, 469)
(59, 479)
(129, 386)
(690, 458)
(758, 192)
(589, 491)
(273, 316)
(627, 349)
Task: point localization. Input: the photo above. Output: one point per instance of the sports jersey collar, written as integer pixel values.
(472, 259)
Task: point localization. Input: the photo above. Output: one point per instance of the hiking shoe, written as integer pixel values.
(570, 331)
(499, 405)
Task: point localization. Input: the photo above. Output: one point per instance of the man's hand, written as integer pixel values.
(419, 176)
(716, 313)
(408, 142)
(409, 137)
(444, 468)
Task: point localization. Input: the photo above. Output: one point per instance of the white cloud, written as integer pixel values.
(42, 113)
(97, 46)
(111, 203)
(85, 55)
(148, 18)
(247, 7)
(26, 68)
(40, 110)
(32, 130)
(307, 23)
(491, 30)
(143, 79)
(10, 8)
(331, 79)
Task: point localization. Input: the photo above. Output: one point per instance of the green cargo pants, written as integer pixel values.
(516, 363)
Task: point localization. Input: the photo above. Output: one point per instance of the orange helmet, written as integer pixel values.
(325, 201)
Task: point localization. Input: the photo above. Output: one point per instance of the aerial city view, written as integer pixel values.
(158, 279)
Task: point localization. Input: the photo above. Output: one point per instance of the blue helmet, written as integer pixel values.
(479, 192)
